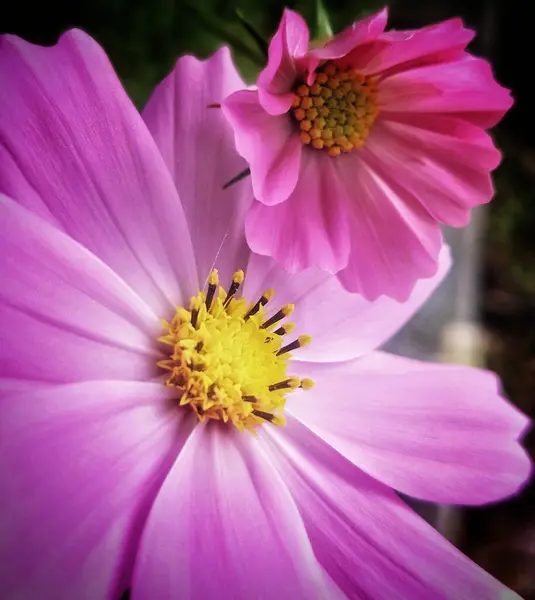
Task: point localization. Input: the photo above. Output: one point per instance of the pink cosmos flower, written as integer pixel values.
(360, 148)
(113, 480)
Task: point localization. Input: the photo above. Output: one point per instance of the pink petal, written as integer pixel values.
(80, 466)
(367, 539)
(224, 522)
(78, 143)
(12, 386)
(438, 432)
(342, 325)
(396, 235)
(415, 48)
(465, 88)
(275, 82)
(269, 144)
(310, 228)
(440, 162)
(198, 147)
(357, 34)
(66, 316)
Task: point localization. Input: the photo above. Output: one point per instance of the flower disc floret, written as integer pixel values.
(337, 111)
(228, 359)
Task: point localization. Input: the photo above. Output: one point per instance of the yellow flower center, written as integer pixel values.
(228, 360)
(337, 111)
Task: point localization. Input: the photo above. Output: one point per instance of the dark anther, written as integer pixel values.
(282, 385)
(262, 302)
(237, 178)
(291, 346)
(231, 291)
(210, 295)
(272, 320)
(263, 415)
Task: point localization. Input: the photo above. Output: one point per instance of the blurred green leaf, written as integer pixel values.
(320, 25)
(221, 30)
(259, 40)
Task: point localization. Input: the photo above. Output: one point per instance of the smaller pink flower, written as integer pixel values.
(361, 148)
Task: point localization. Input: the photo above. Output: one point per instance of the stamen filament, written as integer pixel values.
(291, 383)
(264, 415)
(237, 280)
(286, 328)
(213, 282)
(301, 341)
(195, 306)
(245, 173)
(264, 299)
(285, 311)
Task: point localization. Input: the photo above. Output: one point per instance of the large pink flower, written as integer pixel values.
(111, 479)
(359, 149)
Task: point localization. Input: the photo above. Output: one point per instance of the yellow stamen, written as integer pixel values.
(339, 107)
(287, 328)
(213, 281)
(285, 311)
(302, 340)
(226, 359)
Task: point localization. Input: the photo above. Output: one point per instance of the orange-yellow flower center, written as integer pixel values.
(228, 360)
(337, 111)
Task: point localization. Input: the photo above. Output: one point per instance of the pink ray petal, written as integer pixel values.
(407, 49)
(77, 142)
(367, 539)
(10, 386)
(396, 235)
(465, 87)
(268, 143)
(310, 228)
(224, 523)
(438, 432)
(455, 175)
(360, 32)
(275, 82)
(198, 147)
(80, 466)
(65, 315)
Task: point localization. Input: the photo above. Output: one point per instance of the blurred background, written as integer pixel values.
(484, 314)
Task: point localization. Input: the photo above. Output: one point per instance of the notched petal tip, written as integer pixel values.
(289, 43)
